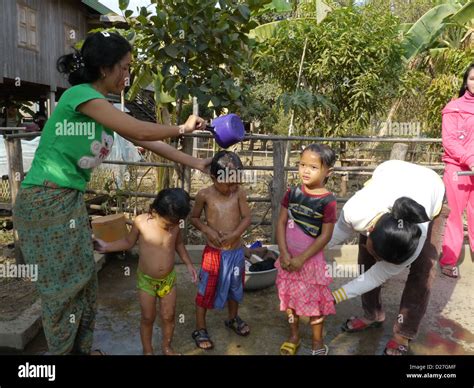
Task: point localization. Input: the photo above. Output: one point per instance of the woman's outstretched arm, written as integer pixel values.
(171, 153)
(125, 125)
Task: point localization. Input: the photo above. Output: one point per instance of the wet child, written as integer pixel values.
(305, 226)
(159, 237)
(222, 274)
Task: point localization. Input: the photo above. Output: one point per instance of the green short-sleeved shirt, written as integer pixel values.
(71, 144)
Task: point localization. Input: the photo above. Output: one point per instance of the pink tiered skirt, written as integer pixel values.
(305, 291)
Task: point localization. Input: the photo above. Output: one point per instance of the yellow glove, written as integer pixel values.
(339, 295)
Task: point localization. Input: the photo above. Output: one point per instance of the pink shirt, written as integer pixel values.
(458, 131)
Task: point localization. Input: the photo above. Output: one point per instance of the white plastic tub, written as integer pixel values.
(262, 279)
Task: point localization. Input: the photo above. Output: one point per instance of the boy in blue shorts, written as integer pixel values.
(222, 274)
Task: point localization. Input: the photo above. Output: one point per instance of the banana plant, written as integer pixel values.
(424, 33)
(436, 33)
(266, 31)
(275, 6)
(465, 15)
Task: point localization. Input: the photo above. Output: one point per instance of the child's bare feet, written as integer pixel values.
(168, 351)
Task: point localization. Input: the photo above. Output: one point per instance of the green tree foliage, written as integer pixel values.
(262, 104)
(194, 49)
(408, 11)
(449, 66)
(353, 59)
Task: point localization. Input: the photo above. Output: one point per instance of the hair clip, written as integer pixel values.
(78, 62)
(105, 33)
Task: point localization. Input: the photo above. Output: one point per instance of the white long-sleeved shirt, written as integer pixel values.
(391, 180)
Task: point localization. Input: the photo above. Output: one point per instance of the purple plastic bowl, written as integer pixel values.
(228, 130)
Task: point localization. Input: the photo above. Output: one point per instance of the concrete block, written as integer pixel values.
(18, 332)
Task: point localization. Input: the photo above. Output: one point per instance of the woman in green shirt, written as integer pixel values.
(50, 213)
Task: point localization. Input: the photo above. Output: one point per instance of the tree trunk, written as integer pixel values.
(162, 173)
(383, 130)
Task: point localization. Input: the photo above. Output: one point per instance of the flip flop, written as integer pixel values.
(359, 325)
(394, 345)
(320, 352)
(450, 271)
(289, 348)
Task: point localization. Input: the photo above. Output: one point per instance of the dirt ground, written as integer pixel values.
(16, 295)
(447, 329)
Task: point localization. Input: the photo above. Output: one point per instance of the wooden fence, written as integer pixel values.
(278, 184)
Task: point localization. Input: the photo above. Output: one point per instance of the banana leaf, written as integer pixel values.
(465, 15)
(268, 30)
(426, 29)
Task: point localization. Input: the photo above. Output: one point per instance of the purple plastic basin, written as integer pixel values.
(228, 130)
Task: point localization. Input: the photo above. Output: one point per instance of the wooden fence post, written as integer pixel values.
(188, 149)
(399, 151)
(278, 185)
(344, 177)
(15, 176)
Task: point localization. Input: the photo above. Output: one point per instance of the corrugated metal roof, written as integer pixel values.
(101, 8)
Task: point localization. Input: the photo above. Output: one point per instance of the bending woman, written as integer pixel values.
(50, 213)
(458, 144)
(400, 217)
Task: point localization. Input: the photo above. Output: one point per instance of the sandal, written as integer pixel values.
(200, 336)
(359, 325)
(394, 345)
(320, 352)
(450, 271)
(238, 325)
(289, 348)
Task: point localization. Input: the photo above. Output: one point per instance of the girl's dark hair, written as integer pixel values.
(396, 235)
(225, 161)
(172, 204)
(326, 154)
(464, 80)
(99, 50)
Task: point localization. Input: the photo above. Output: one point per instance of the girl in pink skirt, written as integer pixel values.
(305, 225)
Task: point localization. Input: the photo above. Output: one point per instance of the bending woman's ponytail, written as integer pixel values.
(396, 234)
(407, 209)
